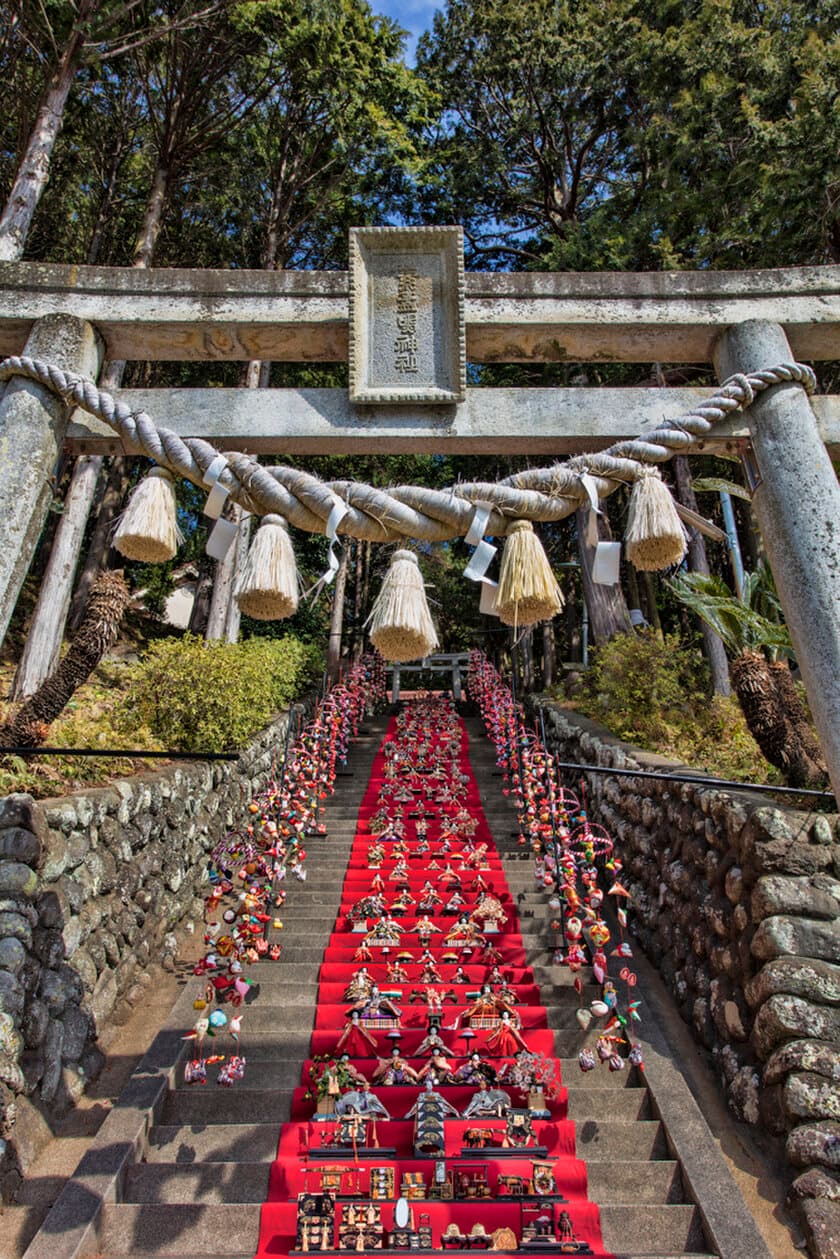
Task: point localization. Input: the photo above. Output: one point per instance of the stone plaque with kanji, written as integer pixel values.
(407, 339)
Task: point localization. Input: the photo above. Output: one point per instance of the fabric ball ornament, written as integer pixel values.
(268, 588)
(148, 528)
(218, 1020)
(401, 626)
(654, 537)
(528, 591)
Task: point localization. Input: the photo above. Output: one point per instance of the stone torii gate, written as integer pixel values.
(408, 342)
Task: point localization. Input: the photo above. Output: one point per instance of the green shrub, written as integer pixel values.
(655, 693)
(641, 686)
(211, 697)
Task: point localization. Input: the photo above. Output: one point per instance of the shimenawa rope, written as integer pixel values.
(540, 494)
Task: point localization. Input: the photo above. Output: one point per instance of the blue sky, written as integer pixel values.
(414, 16)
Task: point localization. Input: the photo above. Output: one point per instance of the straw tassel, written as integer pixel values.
(268, 587)
(401, 626)
(148, 528)
(527, 591)
(654, 537)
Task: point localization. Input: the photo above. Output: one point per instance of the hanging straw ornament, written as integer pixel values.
(527, 591)
(401, 626)
(654, 537)
(268, 588)
(148, 528)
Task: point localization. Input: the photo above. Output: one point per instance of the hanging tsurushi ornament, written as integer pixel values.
(575, 863)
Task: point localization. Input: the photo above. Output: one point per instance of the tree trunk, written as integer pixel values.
(222, 583)
(768, 698)
(337, 619)
(698, 562)
(34, 169)
(651, 610)
(547, 654)
(527, 648)
(144, 246)
(103, 213)
(46, 631)
(96, 556)
(203, 594)
(99, 631)
(573, 626)
(608, 613)
(810, 763)
(635, 604)
(358, 618)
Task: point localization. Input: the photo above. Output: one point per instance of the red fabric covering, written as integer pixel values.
(294, 1171)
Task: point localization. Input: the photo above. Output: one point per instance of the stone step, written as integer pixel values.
(619, 1105)
(209, 1183)
(188, 1106)
(648, 1183)
(166, 1229)
(192, 1144)
(613, 1141)
(652, 1230)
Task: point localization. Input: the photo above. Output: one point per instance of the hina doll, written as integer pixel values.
(455, 904)
(464, 933)
(386, 930)
(439, 1068)
(394, 1070)
(474, 1070)
(507, 1040)
(396, 973)
(350, 1073)
(425, 929)
(487, 1103)
(399, 874)
(356, 1040)
(361, 1101)
(376, 1006)
(427, 899)
(430, 973)
(375, 856)
(359, 986)
(403, 903)
(488, 1005)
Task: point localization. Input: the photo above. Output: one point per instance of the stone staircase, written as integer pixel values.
(180, 1172)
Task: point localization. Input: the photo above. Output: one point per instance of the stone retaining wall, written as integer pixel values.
(93, 887)
(736, 900)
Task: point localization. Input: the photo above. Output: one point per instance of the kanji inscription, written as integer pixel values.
(407, 315)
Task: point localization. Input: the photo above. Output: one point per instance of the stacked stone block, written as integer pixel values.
(94, 888)
(738, 904)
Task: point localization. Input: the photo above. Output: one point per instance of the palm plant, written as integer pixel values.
(758, 642)
(99, 630)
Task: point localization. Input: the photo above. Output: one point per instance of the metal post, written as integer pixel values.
(32, 425)
(732, 543)
(797, 505)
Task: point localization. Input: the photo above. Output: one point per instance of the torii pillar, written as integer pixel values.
(797, 505)
(33, 421)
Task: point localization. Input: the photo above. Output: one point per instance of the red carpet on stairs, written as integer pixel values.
(506, 1179)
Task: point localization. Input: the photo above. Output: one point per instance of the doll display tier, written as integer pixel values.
(413, 1127)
